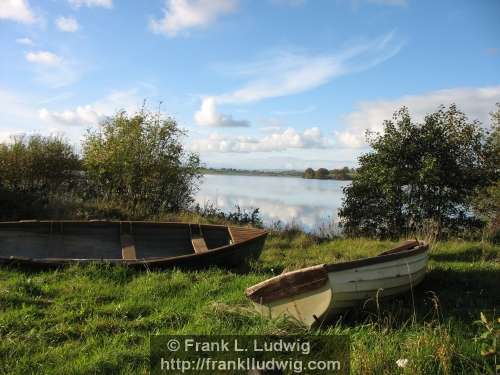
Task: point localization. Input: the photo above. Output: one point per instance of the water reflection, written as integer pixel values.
(308, 203)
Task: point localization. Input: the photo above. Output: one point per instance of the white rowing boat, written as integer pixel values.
(313, 294)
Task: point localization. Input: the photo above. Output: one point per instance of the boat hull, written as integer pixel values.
(327, 290)
(44, 244)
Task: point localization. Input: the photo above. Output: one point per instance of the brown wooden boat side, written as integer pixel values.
(406, 245)
(242, 234)
(288, 284)
(231, 253)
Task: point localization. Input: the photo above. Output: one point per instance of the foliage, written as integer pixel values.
(334, 174)
(252, 172)
(487, 207)
(34, 169)
(309, 173)
(37, 164)
(321, 173)
(489, 337)
(492, 147)
(342, 174)
(487, 201)
(140, 160)
(237, 216)
(417, 172)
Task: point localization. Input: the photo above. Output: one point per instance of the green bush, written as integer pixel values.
(418, 172)
(139, 161)
(33, 170)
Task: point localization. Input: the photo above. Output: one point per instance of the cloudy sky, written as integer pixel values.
(267, 84)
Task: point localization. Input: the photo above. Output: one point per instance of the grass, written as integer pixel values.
(97, 319)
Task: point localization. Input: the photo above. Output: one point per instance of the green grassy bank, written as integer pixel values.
(97, 319)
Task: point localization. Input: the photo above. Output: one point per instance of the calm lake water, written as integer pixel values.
(309, 203)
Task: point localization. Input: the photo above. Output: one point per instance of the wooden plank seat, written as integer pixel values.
(197, 239)
(128, 247)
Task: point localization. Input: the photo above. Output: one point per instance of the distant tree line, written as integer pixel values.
(252, 172)
(131, 166)
(345, 173)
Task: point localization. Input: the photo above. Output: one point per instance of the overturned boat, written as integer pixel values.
(313, 294)
(141, 244)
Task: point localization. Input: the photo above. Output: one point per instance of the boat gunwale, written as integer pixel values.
(142, 261)
(381, 258)
(258, 292)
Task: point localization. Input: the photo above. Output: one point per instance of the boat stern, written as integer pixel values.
(304, 295)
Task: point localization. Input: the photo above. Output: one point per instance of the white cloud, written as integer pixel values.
(25, 41)
(476, 103)
(80, 116)
(92, 3)
(51, 69)
(209, 116)
(16, 110)
(16, 10)
(92, 114)
(44, 58)
(278, 141)
(67, 24)
(185, 14)
(291, 73)
(20, 113)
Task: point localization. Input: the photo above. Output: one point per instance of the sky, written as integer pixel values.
(258, 84)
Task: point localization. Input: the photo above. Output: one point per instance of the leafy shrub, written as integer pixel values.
(139, 160)
(238, 216)
(34, 169)
(418, 172)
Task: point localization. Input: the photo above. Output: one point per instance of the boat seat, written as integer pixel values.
(197, 239)
(128, 247)
(242, 234)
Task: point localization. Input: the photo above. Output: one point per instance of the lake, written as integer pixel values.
(311, 204)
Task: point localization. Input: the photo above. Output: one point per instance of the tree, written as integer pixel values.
(37, 164)
(492, 147)
(33, 170)
(322, 173)
(487, 202)
(416, 172)
(487, 207)
(341, 174)
(309, 173)
(140, 162)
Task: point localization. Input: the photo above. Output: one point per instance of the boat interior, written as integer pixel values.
(109, 240)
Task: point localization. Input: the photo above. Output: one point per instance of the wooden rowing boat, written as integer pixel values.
(150, 244)
(314, 294)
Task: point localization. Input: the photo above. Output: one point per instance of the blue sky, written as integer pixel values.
(258, 84)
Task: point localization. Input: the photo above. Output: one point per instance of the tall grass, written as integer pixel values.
(97, 318)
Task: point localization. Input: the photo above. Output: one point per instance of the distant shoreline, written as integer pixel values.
(248, 172)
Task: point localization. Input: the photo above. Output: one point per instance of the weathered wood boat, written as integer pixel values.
(314, 294)
(140, 244)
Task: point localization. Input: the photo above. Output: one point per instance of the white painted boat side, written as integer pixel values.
(375, 275)
(363, 286)
(305, 307)
(350, 287)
